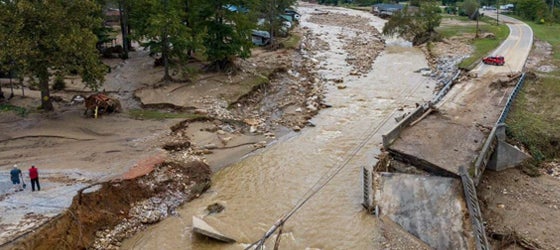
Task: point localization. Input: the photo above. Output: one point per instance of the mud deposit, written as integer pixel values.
(103, 214)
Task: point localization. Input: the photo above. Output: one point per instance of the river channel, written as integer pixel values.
(262, 187)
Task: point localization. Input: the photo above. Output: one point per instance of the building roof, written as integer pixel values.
(387, 6)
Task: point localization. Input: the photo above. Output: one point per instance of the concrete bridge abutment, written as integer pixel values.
(505, 155)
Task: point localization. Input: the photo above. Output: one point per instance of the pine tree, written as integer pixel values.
(229, 26)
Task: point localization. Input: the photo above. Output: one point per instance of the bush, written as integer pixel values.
(59, 83)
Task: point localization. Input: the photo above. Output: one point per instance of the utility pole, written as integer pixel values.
(477, 17)
(552, 8)
(497, 12)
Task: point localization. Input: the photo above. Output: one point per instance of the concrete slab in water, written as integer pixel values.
(398, 238)
(201, 227)
(431, 208)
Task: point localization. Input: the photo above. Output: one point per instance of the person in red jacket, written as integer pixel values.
(34, 176)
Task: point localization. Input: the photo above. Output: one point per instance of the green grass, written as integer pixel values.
(535, 115)
(11, 108)
(291, 42)
(145, 114)
(482, 46)
(534, 118)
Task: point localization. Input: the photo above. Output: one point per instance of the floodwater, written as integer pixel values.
(262, 187)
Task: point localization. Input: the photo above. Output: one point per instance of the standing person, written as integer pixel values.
(15, 174)
(34, 176)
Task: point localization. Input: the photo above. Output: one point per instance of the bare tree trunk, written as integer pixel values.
(124, 28)
(11, 87)
(22, 86)
(165, 49)
(165, 55)
(46, 103)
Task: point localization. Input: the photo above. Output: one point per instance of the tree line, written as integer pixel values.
(40, 39)
(543, 11)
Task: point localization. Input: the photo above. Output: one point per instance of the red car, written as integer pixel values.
(494, 60)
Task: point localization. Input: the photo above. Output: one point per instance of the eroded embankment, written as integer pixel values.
(101, 219)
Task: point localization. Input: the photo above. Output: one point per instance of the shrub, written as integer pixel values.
(59, 83)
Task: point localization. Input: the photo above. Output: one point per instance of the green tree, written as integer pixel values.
(470, 8)
(418, 27)
(271, 9)
(161, 27)
(228, 25)
(42, 38)
(533, 10)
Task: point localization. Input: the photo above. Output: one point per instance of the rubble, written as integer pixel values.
(101, 219)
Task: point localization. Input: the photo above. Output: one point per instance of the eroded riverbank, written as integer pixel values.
(262, 187)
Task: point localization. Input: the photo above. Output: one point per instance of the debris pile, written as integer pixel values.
(101, 218)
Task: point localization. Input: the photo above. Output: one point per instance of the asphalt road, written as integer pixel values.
(515, 48)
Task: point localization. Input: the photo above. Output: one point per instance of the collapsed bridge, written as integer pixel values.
(425, 181)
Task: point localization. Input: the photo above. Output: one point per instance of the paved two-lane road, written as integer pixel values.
(515, 48)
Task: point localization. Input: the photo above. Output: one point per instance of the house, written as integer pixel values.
(385, 9)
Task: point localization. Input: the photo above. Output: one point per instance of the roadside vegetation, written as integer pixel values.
(535, 115)
(5, 107)
(416, 25)
(482, 45)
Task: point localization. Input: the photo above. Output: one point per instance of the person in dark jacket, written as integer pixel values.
(15, 174)
(34, 176)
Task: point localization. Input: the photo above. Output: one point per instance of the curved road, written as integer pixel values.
(515, 48)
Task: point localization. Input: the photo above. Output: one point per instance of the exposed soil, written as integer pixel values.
(273, 93)
(128, 204)
(520, 210)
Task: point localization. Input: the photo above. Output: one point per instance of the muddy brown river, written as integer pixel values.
(262, 187)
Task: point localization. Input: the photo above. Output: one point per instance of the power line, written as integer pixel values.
(326, 178)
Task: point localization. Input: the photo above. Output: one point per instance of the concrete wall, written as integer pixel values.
(396, 131)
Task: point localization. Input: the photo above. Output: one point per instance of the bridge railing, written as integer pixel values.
(490, 143)
(442, 92)
(511, 98)
(475, 214)
(394, 133)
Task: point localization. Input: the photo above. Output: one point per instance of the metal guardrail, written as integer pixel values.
(511, 98)
(442, 92)
(367, 189)
(474, 210)
(484, 155)
(396, 131)
(489, 145)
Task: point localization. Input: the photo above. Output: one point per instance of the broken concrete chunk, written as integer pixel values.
(201, 227)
